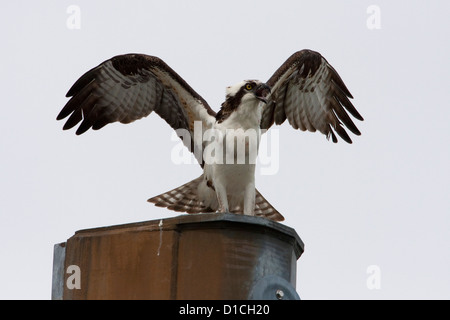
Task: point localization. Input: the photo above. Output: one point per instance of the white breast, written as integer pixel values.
(246, 116)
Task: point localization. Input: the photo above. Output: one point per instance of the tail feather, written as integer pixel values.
(185, 199)
(265, 209)
(182, 199)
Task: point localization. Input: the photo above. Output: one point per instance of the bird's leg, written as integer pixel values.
(249, 199)
(222, 199)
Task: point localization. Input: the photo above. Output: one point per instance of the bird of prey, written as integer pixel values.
(306, 90)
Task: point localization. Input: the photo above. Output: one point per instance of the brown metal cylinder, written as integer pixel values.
(203, 256)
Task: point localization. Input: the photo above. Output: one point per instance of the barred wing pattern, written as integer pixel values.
(129, 87)
(309, 92)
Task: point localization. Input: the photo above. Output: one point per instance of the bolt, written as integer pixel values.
(279, 294)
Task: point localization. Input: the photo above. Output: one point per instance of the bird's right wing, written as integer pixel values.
(129, 87)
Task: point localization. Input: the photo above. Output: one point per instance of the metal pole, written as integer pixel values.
(202, 256)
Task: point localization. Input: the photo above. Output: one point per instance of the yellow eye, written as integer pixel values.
(249, 86)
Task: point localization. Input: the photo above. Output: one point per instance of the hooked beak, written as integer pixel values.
(262, 92)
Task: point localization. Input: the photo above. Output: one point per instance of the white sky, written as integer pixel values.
(382, 201)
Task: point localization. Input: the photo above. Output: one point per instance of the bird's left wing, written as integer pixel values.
(308, 92)
(129, 87)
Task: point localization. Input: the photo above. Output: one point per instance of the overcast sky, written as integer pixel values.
(377, 207)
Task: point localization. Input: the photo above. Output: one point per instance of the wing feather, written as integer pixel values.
(129, 87)
(73, 120)
(309, 92)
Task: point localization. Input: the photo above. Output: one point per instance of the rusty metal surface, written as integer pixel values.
(203, 256)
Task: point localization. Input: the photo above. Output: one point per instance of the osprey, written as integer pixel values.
(306, 90)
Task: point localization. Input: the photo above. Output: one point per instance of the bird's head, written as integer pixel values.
(245, 97)
(246, 91)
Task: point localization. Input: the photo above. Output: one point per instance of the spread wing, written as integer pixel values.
(308, 92)
(129, 87)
